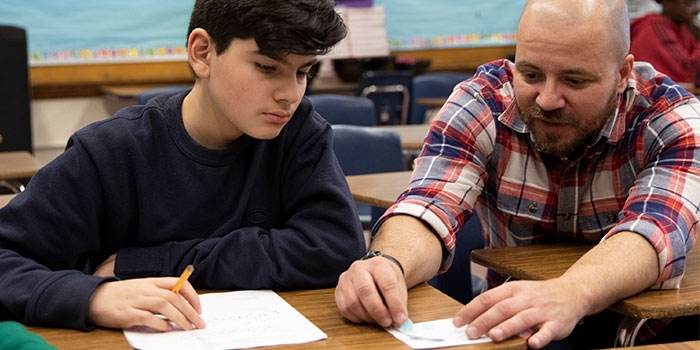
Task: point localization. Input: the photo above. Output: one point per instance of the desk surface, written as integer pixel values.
(411, 135)
(549, 261)
(686, 345)
(425, 303)
(379, 189)
(18, 165)
(432, 102)
(331, 84)
(5, 198)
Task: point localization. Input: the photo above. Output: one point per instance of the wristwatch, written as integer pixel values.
(374, 253)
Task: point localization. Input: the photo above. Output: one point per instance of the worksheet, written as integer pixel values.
(235, 320)
(435, 334)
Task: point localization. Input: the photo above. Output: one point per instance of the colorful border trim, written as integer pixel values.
(70, 56)
(450, 41)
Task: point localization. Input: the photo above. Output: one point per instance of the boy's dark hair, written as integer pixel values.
(301, 27)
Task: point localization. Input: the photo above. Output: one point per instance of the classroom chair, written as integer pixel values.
(366, 150)
(341, 109)
(391, 92)
(148, 94)
(438, 84)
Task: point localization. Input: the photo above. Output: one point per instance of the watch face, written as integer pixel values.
(374, 253)
(371, 254)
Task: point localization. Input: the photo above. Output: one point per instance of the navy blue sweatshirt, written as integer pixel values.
(272, 214)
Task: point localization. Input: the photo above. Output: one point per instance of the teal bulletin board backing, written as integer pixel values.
(104, 31)
(428, 24)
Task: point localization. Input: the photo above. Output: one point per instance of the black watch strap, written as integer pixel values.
(374, 253)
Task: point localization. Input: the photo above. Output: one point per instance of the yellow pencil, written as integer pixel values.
(185, 275)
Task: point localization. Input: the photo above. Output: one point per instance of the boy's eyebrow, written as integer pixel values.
(281, 58)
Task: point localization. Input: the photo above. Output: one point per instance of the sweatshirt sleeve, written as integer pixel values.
(47, 243)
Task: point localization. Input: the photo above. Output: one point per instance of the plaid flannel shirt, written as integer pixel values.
(640, 174)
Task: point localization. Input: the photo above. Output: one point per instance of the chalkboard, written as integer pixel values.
(80, 31)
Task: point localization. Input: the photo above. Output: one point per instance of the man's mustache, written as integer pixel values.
(554, 116)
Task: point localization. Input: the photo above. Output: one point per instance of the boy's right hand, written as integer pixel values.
(137, 302)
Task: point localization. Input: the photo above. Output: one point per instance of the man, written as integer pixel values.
(668, 40)
(571, 142)
(237, 177)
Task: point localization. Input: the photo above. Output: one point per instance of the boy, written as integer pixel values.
(236, 176)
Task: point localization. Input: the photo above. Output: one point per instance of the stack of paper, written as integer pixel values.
(366, 33)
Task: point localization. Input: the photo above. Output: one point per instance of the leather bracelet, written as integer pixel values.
(374, 253)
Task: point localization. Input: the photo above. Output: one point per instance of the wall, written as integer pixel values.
(67, 89)
(54, 120)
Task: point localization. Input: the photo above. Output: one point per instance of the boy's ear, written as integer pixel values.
(199, 47)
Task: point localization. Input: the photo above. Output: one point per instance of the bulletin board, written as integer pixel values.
(117, 31)
(100, 31)
(434, 24)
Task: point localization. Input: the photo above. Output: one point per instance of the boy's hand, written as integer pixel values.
(137, 302)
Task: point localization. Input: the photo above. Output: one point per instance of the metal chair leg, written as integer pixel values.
(12, 185)
(627, 332)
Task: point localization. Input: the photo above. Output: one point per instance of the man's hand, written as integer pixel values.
(373, 290)
(129, 303)
(621, 265)
(541, 311)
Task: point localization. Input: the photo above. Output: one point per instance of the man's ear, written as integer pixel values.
(625, 73)
(199, 48)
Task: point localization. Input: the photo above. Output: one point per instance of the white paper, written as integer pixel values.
(235, 320)
(435, 334)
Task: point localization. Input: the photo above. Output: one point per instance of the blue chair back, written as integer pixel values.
(148, 94)
(438, 84)
(342, 109)
(366, 150)
(458, 282)
(391, 92)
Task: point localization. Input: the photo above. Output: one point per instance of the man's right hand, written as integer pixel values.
(137, 302)
(373, 290)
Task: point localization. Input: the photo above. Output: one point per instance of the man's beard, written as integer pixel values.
(555, 144)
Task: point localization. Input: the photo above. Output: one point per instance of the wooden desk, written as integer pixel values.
(425, 303)
(411, 135)
(17, 165)
(380, 189)
(331, 84)
(686, 345)
(432, 102)
(541, 262)
(5, 198)
(130, 92)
